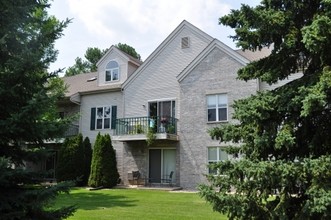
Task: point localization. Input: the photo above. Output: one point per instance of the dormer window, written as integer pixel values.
(112, 71)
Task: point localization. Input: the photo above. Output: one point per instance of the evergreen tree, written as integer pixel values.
(284, 134)
(104, 167)
(87, 149)
(72, 161)
(28, 96)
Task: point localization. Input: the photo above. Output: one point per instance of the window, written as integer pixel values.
(162, 108)
(217, 107)
(112, 71)
(103, 117)
(185, 42)
(216, 154)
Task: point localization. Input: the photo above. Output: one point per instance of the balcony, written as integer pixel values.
(134, 129)
(71, 131)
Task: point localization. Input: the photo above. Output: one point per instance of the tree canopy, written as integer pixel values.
(28, 117)
(93, 55)
(129, 50)
(283, 134)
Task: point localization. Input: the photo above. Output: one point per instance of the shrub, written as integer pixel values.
(87, 149)
(104, 166)
(74, 158)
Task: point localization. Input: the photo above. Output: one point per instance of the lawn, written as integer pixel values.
(137, 204)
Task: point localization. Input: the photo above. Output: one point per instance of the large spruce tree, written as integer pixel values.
(283, 134)
(28, 96)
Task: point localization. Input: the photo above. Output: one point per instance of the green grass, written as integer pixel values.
(137, 204)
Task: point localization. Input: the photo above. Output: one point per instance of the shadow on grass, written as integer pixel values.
(95, 200)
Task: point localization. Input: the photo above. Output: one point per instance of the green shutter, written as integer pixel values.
(92, 125)
(113, 116)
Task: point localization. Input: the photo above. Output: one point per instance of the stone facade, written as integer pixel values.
(215, 74)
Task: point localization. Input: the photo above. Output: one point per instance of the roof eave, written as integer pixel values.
(117, 89)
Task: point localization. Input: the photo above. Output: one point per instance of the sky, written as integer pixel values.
(142, 24)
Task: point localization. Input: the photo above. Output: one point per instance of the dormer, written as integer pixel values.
(115, 67)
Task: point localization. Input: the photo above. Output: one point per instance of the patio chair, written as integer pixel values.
(168, 179)
(136, 176)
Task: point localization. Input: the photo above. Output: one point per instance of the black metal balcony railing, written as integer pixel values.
(71, 131)
(141, 125)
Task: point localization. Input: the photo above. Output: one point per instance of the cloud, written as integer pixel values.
(139, 20)
(143, 24)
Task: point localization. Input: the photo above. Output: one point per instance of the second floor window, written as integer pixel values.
(217, 107)
(103, 117)
(112, 71)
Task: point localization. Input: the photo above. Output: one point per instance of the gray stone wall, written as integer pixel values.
(215, 74)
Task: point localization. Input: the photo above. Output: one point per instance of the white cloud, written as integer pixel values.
(143, 24)
(126, 18)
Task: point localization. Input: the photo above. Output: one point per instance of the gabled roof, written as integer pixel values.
(86, 83)
(214, 44)
(124, 55)
(163, 45)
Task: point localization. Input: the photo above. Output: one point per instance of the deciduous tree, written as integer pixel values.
(129, 50)
(284, 134)
(93, 55)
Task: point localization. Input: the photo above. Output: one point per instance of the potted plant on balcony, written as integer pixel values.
(171, 129)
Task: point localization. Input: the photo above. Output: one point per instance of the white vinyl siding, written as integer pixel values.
(157, 79)
(122, 69)
(98, 100)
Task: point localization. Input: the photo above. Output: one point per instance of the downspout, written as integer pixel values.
(258, 84)
(123, 102)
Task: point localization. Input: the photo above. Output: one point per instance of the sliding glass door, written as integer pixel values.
(161, 163)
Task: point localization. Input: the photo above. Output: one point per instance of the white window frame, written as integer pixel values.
(218, 157)
(218, 106)
(112, 72)
(103, 117)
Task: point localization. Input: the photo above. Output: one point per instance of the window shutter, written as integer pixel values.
(92, 125)
(113, 116)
